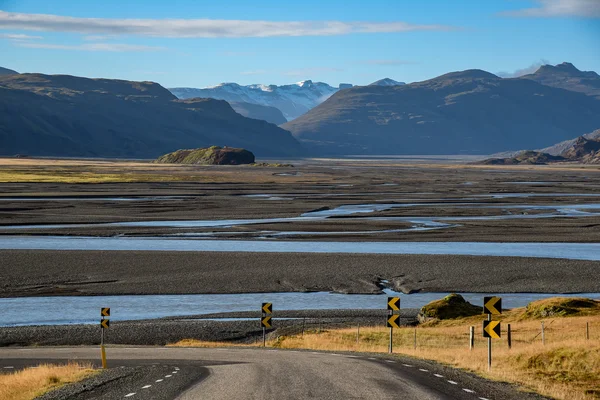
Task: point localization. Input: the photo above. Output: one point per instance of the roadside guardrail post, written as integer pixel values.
(509, 336)
(491, 329)
(265, 320)
(104, 324)
(587, 331)
(543, 335)
(471, 337)
(393, 320)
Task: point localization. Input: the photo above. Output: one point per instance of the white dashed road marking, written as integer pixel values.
(469, 390)
(9, 367)
(407, 365)
(438, 375)
(159, 380)
(130, 394)
(483, 398)
(146, 387)
(372, 358)
(168, 376)
(452, 382)
(174, 372)
(423, 370)
(390, 361)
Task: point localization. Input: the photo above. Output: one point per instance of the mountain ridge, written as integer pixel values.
(292, 100)
(462, 112)
(63, 115)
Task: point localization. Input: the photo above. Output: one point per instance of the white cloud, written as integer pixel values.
(303, 72)
(94, 38)
(559, 8)
(19, 36)
(524, 71)
(111, 47)
(389, 62)
(201, 28)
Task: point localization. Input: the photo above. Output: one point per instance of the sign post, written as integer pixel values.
(491, 329)
(104, 324)
(393, 320)
(265, 321)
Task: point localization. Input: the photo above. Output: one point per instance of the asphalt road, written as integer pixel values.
(229, 373)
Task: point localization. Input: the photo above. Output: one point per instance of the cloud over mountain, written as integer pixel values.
(202, 28)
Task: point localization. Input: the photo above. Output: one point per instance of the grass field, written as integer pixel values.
(566, 366)
(32, 382)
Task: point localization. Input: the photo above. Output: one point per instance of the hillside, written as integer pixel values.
(60, 115)
(584, 149)
(258, 111)
(6, 71)
(567, 76)
(387, 82)
(565, 145)
(213, 155)
(293, 100)
(466, 112)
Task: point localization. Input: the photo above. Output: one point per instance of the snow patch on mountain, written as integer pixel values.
(293, 100)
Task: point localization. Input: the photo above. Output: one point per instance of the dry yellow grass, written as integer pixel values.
(566, 367)
(205, 344)
(32, 382)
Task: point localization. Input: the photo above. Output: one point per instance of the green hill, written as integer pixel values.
(213, 155)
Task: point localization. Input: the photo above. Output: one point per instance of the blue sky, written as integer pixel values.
(199, 43)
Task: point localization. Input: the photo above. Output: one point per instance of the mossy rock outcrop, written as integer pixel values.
(561, 307)
(213, 155)
(451, 306)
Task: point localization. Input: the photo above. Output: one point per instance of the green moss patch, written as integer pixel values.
(213, 155)
(561, 307)
(451, 306)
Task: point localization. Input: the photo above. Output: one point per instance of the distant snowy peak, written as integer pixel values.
(387, 82)
(293, 100)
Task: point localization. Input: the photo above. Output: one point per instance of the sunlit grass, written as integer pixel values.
(32, 382)
(566, 366)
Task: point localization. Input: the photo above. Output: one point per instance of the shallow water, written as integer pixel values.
(85, 309)
(573, 251)
(91, 198)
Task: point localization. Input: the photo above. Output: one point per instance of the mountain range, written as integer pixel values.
(293, 100)
(62, 115)
(465, 112)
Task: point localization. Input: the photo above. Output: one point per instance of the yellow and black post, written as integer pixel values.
(393, 320)
(265, 320)
(104, 324)
(491, 329)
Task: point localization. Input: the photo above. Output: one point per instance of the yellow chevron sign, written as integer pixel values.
(491, 329)
(492, 305)
(266, 322)
(267, 308)
(104, 323)
(105, 312)
(393, 321)
(393, 303)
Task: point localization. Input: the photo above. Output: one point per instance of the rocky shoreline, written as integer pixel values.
(207, 327)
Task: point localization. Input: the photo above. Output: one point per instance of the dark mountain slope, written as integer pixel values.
(472, 112)
(6, 71)
(567, 76)
(258, 111)
(58, 115)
